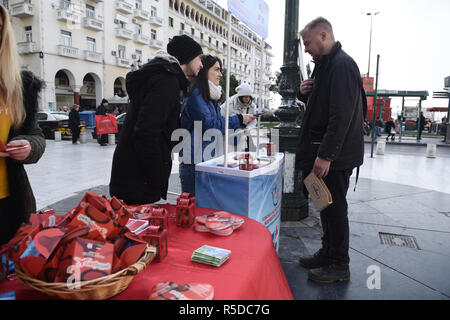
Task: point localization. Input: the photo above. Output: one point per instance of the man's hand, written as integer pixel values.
(321, 167)
(306, 86)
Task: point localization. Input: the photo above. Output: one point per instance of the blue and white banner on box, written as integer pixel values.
(255, 194)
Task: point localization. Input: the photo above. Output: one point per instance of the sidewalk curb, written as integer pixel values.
(442, 144)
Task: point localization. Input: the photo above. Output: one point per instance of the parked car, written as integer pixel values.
(120, 121)
(51, 121)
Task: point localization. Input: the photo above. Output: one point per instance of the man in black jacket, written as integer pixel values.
(142, 161)
(74, 123)
(331, 142)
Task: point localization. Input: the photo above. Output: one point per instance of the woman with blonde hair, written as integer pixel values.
(22, 141)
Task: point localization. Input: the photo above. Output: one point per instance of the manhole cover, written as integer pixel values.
(398, 240)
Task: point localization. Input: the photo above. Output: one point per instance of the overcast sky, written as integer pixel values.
(411, 37)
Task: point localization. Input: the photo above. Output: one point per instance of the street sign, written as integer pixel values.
(253, 13)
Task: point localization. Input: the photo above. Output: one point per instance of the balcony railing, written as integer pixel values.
(122, 62)
(93, 23)
(124, 33)
(124, 7)
(156, 21)
(141, 14)
(67, 51)
(22, 10)
(157, 44)
(26, 47)
(93, 56)
(142, 39)
(68, 15)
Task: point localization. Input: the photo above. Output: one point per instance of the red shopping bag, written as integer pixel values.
(106, 124)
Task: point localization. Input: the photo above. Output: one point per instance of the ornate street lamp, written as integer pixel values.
(294, 203)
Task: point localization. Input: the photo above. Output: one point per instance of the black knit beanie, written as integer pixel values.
(184, 48)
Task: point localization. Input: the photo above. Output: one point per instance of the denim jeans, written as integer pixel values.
(187, 178)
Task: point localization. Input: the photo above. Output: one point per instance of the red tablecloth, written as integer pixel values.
(253, 271)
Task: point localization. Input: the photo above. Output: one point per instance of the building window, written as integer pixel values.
(121, 51)
(138, 4)
(64, 4)
(170, 22)
(91, 44)
(90, 11)
(28, 34)
(153, 34)
(66, 38)
(192, 31)
(181, 26)
(138, 56)
(138, 28)
(153, 11)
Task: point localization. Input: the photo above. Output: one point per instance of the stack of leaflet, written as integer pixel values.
(211, 255)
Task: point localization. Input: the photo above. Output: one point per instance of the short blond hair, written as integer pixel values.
(319, 22)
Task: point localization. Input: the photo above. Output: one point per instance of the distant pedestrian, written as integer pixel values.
(142, 161)
(74, 123)
(101, 111)
(331, 143)
(389, 128)
(420, 125)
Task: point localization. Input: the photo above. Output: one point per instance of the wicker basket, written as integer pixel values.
(97, 289)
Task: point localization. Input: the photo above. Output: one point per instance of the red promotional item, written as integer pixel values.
(21, 240)
(85, 260)
(156, 238)
(174, 291)
(220, 223)
(97, 221)
(106, 124)
(185, 212)
(159, 217)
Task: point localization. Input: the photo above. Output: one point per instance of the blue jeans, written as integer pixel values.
(187, 178)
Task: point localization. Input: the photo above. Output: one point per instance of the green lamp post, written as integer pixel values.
(294, 204)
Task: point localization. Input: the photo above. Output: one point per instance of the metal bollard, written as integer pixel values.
(381, 146)
(83, 137)
(431, 150)
(111, 138)
(58, 136)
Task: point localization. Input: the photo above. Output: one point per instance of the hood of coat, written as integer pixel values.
(31, 87)
(239, 105)
(162, 63)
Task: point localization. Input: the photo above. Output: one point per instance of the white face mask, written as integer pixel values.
(214, 91)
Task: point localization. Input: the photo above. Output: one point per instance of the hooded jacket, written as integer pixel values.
(142, 160)
(20, 190)
(332, 127)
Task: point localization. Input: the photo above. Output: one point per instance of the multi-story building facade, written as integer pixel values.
(83, 49)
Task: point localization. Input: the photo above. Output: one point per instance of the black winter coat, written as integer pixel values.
(20, 190)
(74, 119)
(142, 161)
(332, 127)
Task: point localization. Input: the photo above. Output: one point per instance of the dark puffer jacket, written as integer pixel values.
(142, 161)
(332, 127)
(20, 190)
